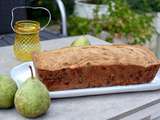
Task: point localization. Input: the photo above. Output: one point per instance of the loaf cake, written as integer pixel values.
(95, 66)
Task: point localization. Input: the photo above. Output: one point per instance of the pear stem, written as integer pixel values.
(30, 67)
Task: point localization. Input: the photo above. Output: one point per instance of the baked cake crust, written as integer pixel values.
(95, 66)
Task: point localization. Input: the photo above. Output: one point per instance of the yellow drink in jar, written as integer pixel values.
(27, 39)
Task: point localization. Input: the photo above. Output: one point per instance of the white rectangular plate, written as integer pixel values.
(21, 72)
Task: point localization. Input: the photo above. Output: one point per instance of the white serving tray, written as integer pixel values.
(21, 72)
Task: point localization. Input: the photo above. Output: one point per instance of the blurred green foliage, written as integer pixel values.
(137, 28)
(78, 26)
(83, 26)
(137, 5)
(129, 19)
(144, 5)
(97, 1)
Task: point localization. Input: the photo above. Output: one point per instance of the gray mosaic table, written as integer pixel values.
(126, 106)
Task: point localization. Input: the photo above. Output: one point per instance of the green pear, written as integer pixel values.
(82, 41)
(32, 98)
(8, 89)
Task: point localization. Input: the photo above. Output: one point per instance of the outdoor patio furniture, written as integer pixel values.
(126, 106)
(7, 38)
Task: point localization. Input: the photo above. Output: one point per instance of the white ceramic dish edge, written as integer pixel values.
(21, 72)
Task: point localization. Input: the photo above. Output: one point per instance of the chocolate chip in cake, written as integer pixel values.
(66, 81)
(103, 68)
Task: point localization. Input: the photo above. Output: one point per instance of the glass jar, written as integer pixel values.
(27, 39)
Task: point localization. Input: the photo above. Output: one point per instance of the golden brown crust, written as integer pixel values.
(95, 66)
(94, 55)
